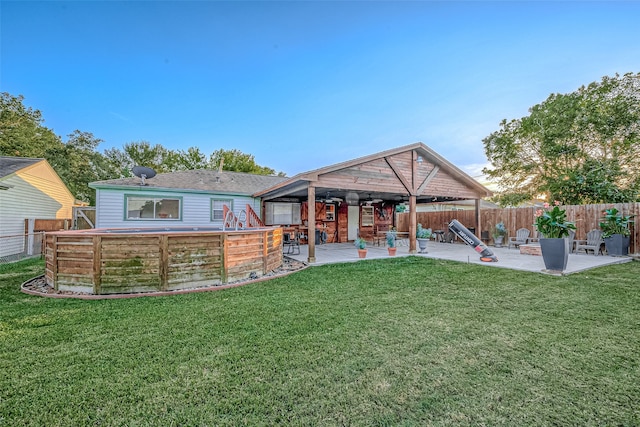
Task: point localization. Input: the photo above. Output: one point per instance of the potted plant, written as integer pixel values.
(615, 231)
(361, 244)
(553, 226)
(499, 233)
(391, 243)
(423, 235)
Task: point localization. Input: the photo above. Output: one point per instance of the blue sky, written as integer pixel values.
(304, 84)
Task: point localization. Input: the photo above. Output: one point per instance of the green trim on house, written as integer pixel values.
(129, 188)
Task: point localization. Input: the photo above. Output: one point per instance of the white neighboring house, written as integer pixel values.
(194, 198)
(29, 189)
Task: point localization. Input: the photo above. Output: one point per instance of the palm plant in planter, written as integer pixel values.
(391, 243)
(422, 236)
(361, 244)
(615, 230)
(499, 233)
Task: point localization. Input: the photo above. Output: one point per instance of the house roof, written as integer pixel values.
(198, 180)
(11, 165)
(413, 169)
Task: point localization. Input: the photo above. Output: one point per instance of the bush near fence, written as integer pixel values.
(586, 218)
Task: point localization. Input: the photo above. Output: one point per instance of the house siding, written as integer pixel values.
(196, 208)
(43, 178)
(35, 192)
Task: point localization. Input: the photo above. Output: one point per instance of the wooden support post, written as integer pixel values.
(311, 208)
(413, 224)
(54, 261)
(163, 268)
(224, 259)
(478, 224)
(265, 252)
(97, 264)
(30, 235)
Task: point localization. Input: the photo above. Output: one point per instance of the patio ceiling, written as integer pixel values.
(391, 176)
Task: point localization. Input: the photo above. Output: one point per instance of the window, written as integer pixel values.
(330, 213)
(367, 216)
(217, 208)
(152, 208)
(282, 213)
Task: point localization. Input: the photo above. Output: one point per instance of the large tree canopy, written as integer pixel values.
(236, 160)
(22, 133)
(164, 160)
(77, 161)
(578, 148)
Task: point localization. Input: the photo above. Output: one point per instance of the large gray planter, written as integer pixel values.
(555, 253)
(422, 244)
(617, 245)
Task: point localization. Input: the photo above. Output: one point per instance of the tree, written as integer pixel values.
(164, 160)
(581, 147)
(192, 159)
(236, 160)
(78, 163)
(22, 133)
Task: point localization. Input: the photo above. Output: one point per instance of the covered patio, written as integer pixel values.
(332, 253)
(360, 197)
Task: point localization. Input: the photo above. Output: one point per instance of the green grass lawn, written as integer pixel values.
(400, 342)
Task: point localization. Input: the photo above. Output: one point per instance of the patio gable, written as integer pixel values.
(412, 170)
(364, 192)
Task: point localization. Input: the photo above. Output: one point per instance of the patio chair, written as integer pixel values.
(535, 238)
(593, 243)
(380, 236)
(521, 238)
(291, 243)
(572, 240)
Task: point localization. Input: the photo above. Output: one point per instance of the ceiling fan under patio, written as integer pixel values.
(370, 200)
(329, 199)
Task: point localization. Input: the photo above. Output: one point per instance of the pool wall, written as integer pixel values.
(100, 262)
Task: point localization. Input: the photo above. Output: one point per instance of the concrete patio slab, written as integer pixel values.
(331, 253)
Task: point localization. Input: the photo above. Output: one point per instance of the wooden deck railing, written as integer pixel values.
(253, 220)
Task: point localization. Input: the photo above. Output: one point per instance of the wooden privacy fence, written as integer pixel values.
(84, 217)
(586, 218)
(38, 225)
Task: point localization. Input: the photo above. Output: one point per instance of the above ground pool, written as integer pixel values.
(112, 261)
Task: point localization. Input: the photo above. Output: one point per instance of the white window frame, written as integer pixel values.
(155, 200)
(282, 213)
(368, 216)
(228, 202)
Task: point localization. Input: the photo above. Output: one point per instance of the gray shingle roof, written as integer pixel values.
(9, 165)
(200, 180)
